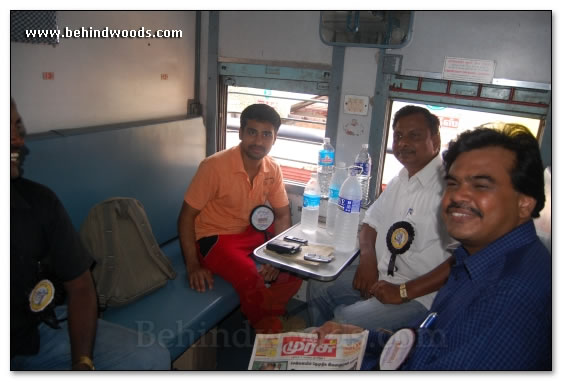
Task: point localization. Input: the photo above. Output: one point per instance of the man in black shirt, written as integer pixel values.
(46, 260)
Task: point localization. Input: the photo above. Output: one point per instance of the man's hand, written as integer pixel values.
(366, 276)
(331, 327)
(82, 315)
(83, 363)
(198, 276)
(268, 272)
(386, 292)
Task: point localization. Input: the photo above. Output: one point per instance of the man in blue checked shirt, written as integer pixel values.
(494, 313)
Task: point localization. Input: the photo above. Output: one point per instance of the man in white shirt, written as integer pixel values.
(403, 243)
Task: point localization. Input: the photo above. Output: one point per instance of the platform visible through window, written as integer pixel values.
(301, 133)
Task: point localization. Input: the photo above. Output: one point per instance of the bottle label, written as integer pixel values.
(349, 206)
(311, 200)
(333, 193)
(326, 158)
(365, 167)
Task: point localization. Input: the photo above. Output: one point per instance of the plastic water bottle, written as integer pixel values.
(339, 176)
(325, 166)
(348, 214)
(363, 160)
(311, 203)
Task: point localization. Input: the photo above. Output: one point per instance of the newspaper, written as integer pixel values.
(303, 351)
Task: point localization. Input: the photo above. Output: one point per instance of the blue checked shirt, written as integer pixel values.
(494, 313)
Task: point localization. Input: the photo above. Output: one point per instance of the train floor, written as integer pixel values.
(236, 337)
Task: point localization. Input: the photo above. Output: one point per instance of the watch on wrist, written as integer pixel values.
(403, 292)
(85, 360)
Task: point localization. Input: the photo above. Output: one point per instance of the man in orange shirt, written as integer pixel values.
(214, 224)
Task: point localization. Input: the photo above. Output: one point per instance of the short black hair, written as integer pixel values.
(260, 112)
(527, 173)
(431, 119)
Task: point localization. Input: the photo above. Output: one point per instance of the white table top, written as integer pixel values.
(318, 271)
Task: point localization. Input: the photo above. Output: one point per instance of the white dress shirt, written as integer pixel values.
(416, 201)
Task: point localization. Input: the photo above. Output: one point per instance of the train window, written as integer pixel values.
(453, 121)
(300, 135)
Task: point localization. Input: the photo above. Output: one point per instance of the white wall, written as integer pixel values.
(273, 35)
(518, 41)
(360, 67)
(103, 81)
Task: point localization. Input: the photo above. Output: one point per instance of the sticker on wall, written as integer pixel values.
(354, 128)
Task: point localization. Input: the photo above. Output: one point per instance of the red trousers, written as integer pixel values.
(230, 258)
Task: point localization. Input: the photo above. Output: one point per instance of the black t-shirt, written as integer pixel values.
(40, 232)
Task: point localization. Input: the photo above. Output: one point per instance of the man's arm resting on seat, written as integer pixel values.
(82, 318)
(366, 274)
(198, 275)
(388, 293)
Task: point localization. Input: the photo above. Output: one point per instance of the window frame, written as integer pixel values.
(509, 99)
(298, 78)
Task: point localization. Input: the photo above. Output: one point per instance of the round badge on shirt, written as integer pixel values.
(400, 237)
(41, 296)
(261, 217)
(397, 349)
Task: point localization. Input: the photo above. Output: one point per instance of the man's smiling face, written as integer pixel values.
(480, 203)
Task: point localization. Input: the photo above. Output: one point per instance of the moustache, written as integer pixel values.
(256, 147)
(464, 206)
(404, 152)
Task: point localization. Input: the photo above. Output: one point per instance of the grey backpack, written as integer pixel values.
(129, 262)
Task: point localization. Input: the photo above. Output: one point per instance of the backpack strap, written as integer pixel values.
(109, 257)
(136, 211)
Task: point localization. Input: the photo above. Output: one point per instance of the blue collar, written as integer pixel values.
(488, 262)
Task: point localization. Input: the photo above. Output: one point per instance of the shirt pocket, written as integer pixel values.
(428, 229)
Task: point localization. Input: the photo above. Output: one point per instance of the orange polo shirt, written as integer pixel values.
(221, 190)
